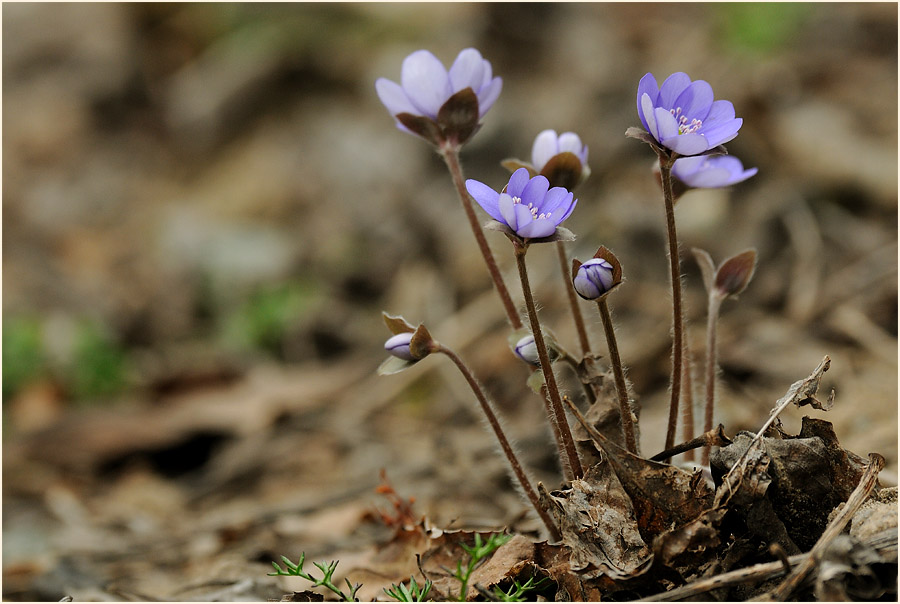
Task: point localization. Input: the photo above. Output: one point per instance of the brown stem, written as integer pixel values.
(687, 403)
(712, 437)
(665, 169)
(619, 374)
(711, 362)
(504, 443)
(555, 411)
(450, 154)
(573, 298)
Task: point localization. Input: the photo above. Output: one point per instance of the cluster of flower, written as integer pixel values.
(682, 122)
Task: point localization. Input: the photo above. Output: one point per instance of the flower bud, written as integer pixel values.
(526, 350)
(398, 346)
(593, 279)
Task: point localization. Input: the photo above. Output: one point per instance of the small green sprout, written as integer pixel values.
(477, 553)
(411, 593)
(296, 570)
(517, 593)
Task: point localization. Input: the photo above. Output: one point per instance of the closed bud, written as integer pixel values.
(593, 278)
(526, 350)
(398, 346)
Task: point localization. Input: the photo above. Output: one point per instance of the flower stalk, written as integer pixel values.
(665, 169)
(450, 153)
(619, 375)
(712, 320)
(573, 300)
(504, 442)
(555, 412)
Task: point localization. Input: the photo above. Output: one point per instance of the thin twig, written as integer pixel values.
(715, 438)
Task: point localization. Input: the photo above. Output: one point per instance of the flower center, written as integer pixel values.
(683, 126)
(534, 212)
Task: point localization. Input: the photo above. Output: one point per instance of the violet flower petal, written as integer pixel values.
(537, 229)
(488, 95)
(508, 211)
(647, 86)
(671, 88)
(467, 71)
(426, 82)
(517, 182)
(571, 142)
(535, 191)
(486, 197)
(393, 97)
(696, 100)
(545, 146)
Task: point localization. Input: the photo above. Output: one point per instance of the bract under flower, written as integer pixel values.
(528, 206)
(710, 171)
(682, 115)
(426, 85)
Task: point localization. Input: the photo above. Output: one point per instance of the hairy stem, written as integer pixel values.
(504, 443)
(619, 374)
(711, 364)
(665, 168)
(687, 392)
(557, 415)
(450, 153)
(573, 298)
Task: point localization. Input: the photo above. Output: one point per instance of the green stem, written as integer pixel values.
(557, 415)
(450, 153)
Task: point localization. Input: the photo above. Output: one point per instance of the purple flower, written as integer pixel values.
(526, 350)
(426, 85)
(398, 346)
(710, 171)
(547, 145)
(593, 279)
(682, 115)
(528, 206)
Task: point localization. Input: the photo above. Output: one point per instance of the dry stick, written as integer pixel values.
(573, 299)
(713, 437)
(711, 362)
(504, 443)
(834, 528)
(665, 169)
(687, 391)
(883, 542)
(799, 392)
(619, 374)
(451, 157)
(555, 411)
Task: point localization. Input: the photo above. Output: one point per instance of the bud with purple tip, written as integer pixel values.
(526, 350)
(593, 278)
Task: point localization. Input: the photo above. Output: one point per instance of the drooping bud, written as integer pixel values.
(526, 350)
(593, 278)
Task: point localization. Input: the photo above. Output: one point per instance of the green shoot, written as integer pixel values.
(411, 593)
(477, 553)
(517, 592)
(296, 570)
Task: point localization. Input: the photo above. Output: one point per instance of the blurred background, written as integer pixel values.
(206, 208)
